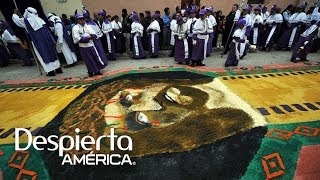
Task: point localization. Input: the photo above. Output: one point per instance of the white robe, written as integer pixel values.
(181, 32)
(47, 67)
(136, 31)
(63, 45)
(202, 28)
(172, 26)
(107, 29)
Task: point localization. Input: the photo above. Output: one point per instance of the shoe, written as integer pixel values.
(201, 64)
(98, 73)
(59, 70)
(69, 65)
(23, 65)
(193, 64)
(294, 60)
(90, 74)
(51, 73)
(187, 62)
(179, 63)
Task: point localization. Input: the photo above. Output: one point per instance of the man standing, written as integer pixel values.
(84, 35)
(13, 42)
(154, 30)
(248, 27)
(257, 26)
(97, 41)
(117, 31)
(145, 22)
(190, 23)
(166, 28)
(107, 30)
(181, 54)
(137, 33)
(230, 20)
(213, 23)
(126, 29)
(42, 41)
(295, 22)
(64, 42)
(272, 28)
(201, 30)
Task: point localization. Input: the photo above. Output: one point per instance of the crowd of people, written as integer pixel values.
(190, 33)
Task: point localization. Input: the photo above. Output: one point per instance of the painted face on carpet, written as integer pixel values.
(160, 113)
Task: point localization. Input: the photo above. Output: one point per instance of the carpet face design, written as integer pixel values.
(183, 123)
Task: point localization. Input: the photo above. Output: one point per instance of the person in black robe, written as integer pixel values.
(228, 28)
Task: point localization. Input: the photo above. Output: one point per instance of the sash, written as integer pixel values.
(109, 42)
(135, 41)
(152, 40)
(293, 34)
(255, 35)
(270, 35)
(186, 48)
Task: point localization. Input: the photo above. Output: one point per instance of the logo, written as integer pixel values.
(54, 143)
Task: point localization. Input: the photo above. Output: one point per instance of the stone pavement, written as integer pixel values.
(15, 72)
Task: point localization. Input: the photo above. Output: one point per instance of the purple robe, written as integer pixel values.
(303, 53)
(102, 54)
(285, 38)
(112, 54)
(155, 53)
(210, 42)
(179, 55)
(91, 59)
(44, 42)
(232, 59)
(142, 54)
(198, 50)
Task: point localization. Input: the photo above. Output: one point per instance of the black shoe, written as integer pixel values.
(287, 49)
(98, 73)
(187, 62)
(179, 63)
(264, 49)
(69, 66)
(90, 74)
(208, 55)
(154, 56)
(200, 64)
(171, 55)
(51, 73)
(23, 65)
(59, 70)
(193, 64)
(294, 60)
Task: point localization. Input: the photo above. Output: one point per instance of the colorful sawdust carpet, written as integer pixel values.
(249, 123)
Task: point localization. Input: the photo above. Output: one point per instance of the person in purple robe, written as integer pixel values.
(97, 41)
(154, 30)
(180, 30)
(304, 44)
(295, 22)
(84, 35)
(137, 33)
(237, 38)
(201, 30)
(213, 23)
(117, 31)
(41, 39)
(108, 31)
(14, 43)
(64, 41)
(190, 23)
(272, 27)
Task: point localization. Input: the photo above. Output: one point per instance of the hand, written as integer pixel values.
(194, 42)
(305, 43)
